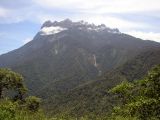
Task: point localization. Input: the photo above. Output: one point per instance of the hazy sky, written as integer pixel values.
(20, 20)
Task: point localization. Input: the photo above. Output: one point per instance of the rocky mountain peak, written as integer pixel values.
(82, 25)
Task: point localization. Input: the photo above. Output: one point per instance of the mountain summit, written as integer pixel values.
(54, 27)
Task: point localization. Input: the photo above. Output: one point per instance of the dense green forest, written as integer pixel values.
(136, 100)
(139, 99)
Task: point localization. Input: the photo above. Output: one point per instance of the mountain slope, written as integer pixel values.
(92, 98)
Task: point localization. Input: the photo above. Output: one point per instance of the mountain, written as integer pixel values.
(65, 58)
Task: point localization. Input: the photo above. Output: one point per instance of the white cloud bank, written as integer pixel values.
(3, 12)
(27, 40)
(52, 30)
(145, 35)
(102, 6)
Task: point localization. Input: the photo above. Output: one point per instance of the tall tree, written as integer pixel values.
(11, 81)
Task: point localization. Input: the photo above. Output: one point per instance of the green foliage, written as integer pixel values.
(10, 110)
(123, 90)
(33, 103)
(19, 109)
(12, 81)
(143, 100)
(7, 110)
(122, 118)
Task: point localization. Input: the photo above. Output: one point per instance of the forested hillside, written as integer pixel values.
(136, 100)
(92, 98)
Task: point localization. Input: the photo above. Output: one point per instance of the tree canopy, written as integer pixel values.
(11, 81)
(141, 98)
(21, 107)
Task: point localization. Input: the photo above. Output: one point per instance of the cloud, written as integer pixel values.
(36, 8)
(9, 16)
(102, 6)
(113, 22)
(27, 40)
(145, 35)
(3, 12)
